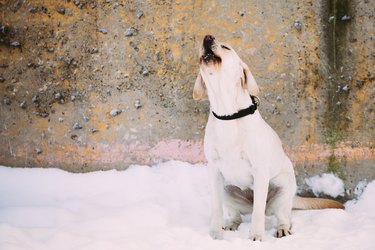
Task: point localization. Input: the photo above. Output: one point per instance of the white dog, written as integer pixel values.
(249, 171)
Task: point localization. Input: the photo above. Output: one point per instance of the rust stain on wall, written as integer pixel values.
(120, 156)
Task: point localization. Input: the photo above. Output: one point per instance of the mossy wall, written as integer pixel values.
(68, 67)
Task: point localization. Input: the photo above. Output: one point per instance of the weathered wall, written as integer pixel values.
(68, 62)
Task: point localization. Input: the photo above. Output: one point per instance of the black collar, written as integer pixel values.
(242, 113)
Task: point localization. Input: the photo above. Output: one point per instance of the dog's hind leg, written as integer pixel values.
(234, 218)
(236, 202)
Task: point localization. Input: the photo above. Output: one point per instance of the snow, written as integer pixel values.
(361, 186)
(162, 207)
(327, 183)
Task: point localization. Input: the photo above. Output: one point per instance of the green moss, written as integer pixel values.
(333, 136)
(336, 167)
(336, 50)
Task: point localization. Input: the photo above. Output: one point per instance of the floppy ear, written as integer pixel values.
(200, 91)
(250, 83)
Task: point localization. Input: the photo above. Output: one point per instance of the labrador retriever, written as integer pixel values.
(249, 170)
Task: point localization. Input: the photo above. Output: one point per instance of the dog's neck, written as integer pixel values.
(225, 102)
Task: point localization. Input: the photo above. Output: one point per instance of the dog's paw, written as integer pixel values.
(217, 234)
(283, 231)
(231, 227)
(256, 237)
(256, 233)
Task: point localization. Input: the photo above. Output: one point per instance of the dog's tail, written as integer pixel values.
(315, 203)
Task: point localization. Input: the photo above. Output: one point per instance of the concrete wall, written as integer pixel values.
(65, 65)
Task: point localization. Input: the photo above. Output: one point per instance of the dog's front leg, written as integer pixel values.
(260, 198)
(217, 187)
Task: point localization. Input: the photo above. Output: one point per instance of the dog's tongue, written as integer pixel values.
(207, 43)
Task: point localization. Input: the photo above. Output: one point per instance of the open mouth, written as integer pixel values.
(208, 54)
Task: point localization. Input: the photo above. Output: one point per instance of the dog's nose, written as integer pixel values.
(208, 39)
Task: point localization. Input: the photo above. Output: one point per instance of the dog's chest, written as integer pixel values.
(230, 151)
(236, 169)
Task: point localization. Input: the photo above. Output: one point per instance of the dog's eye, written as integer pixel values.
(225, 47)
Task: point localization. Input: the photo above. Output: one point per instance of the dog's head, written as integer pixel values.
(220, 64)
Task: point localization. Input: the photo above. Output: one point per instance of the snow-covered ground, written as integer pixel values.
(163, 207)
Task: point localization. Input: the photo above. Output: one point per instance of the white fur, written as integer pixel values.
(246, 152)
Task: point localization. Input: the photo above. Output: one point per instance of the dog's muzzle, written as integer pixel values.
(208, 50)
(208, 41)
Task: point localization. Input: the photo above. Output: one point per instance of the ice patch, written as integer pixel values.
(328, 184)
